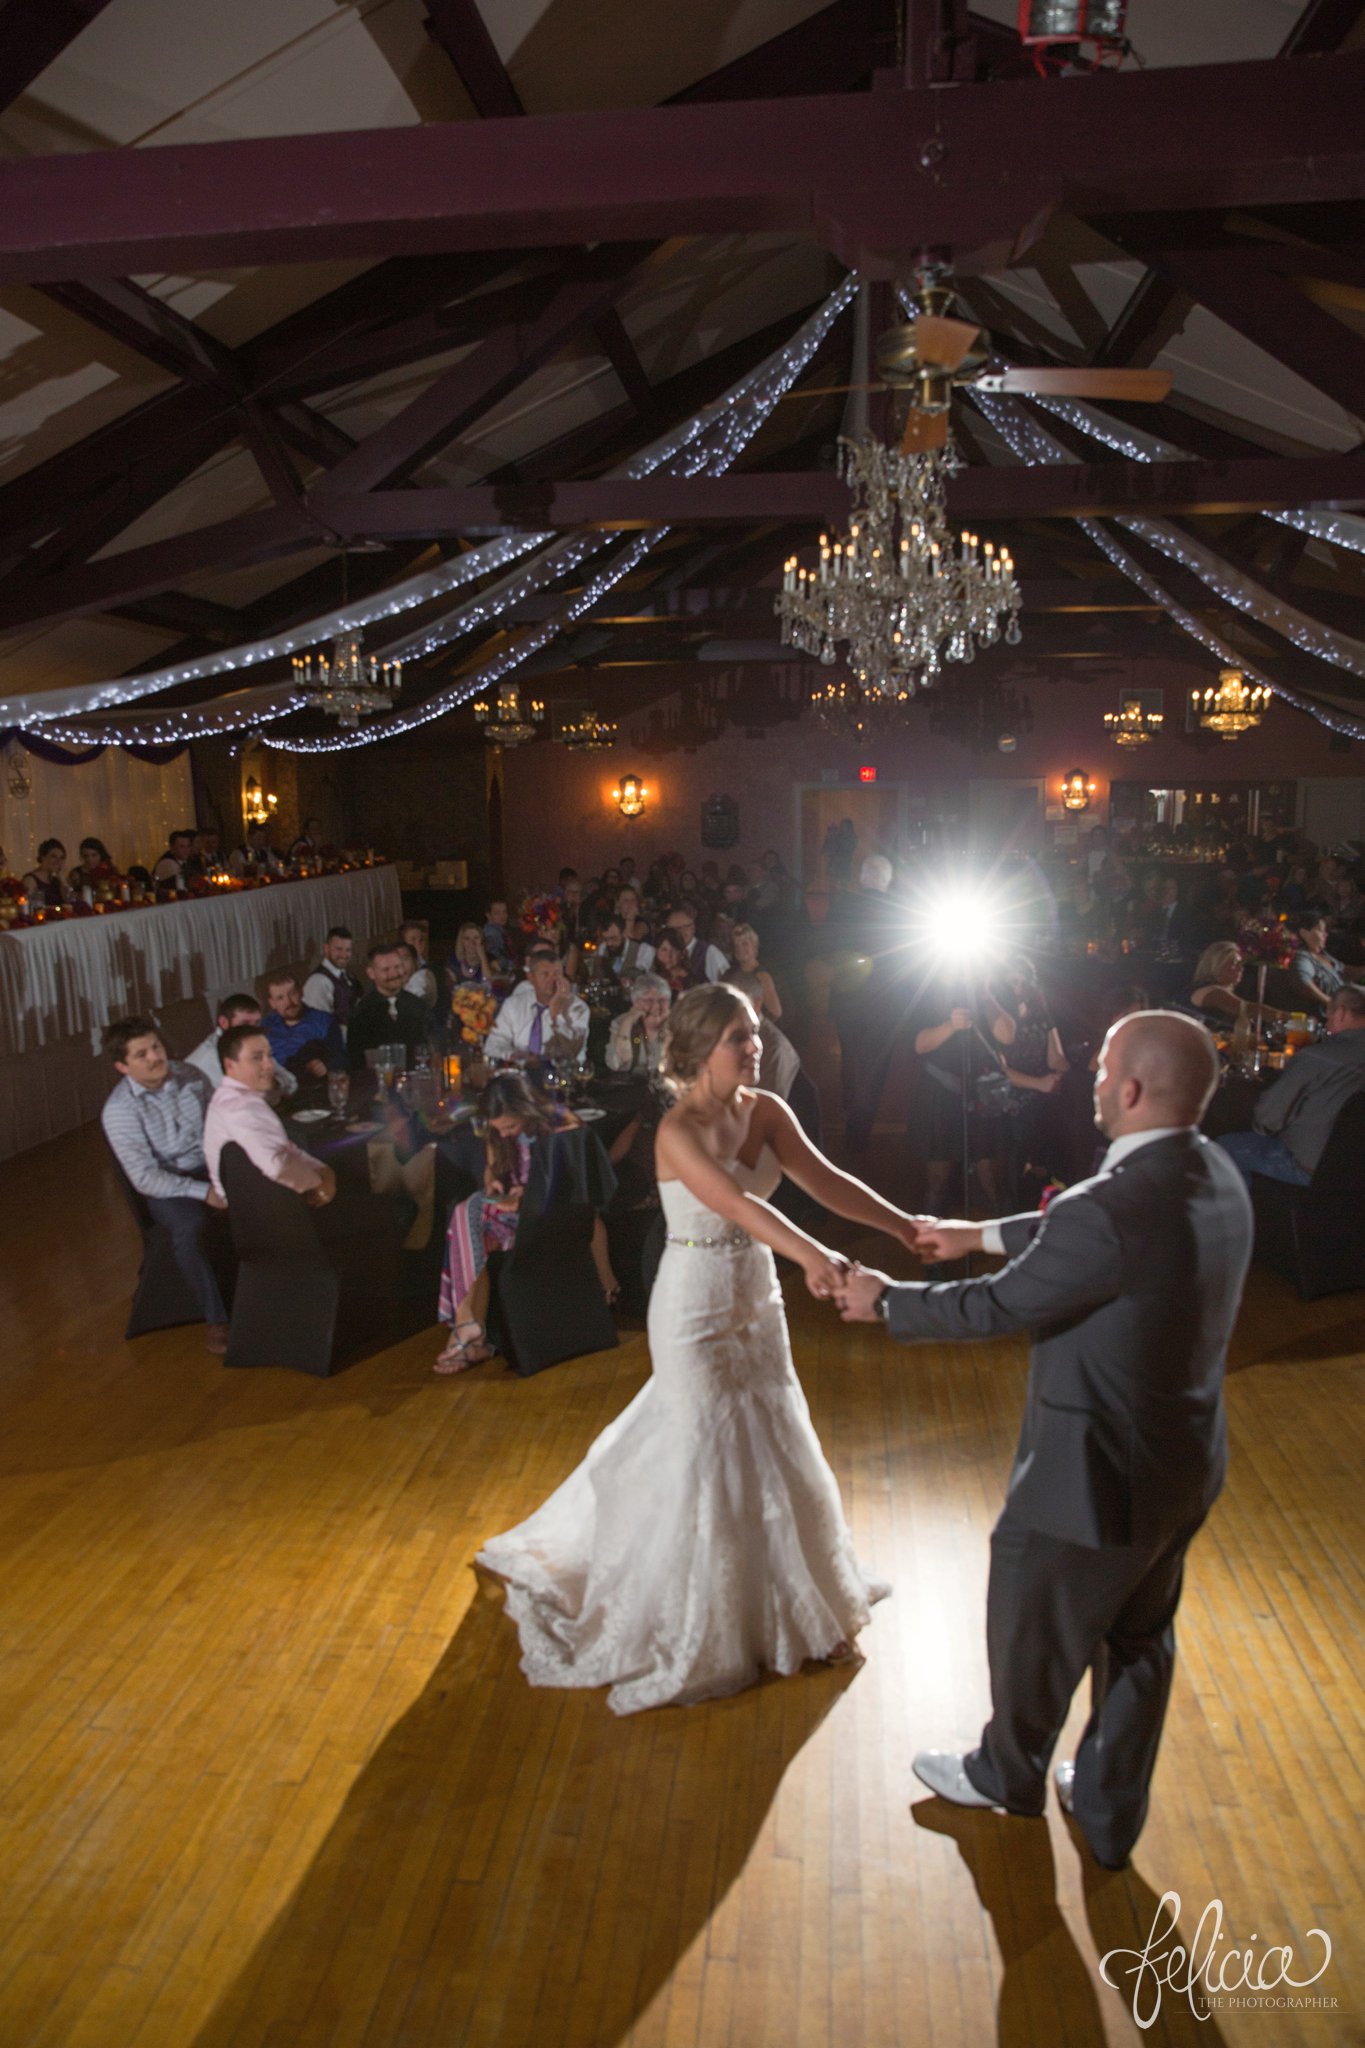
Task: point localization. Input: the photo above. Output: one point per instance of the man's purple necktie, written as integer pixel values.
(536, 1042)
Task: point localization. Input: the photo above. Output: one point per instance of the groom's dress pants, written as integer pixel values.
(1054, 1610)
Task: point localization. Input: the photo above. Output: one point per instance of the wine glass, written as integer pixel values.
(338, 1094)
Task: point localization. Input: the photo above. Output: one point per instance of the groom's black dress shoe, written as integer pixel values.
(1064, 1778)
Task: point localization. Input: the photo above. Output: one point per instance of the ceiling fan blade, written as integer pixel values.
(943, 343)
(923, 431)
(1142, 386)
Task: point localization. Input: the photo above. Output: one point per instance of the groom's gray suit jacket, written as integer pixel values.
(1130, 1284)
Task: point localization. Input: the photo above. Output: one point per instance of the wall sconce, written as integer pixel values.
(258, 806)
(1077, 790)
(629, 796)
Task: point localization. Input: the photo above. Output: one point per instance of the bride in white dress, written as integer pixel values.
(702, 1541)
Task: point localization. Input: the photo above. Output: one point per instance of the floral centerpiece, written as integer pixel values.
(473, 1009)
(1267, 940)
(540, 916)
(13, 902)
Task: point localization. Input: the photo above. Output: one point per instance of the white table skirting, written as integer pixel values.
(60, 984)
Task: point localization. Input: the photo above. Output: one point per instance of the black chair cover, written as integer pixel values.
(547, 1303)
(163, 1298)
(1315, 1236)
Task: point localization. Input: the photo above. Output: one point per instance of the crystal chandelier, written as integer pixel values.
(1233, 708)
(351, 684)
(1130, 725)
(899, 593)
(588, 734)
(503, 723)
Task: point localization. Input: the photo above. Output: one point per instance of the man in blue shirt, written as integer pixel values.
(154, 1122)
(307, 1042)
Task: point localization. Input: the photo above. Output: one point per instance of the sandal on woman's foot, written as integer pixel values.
(460, 1354)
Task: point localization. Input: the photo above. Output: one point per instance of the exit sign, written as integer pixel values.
(867, 775)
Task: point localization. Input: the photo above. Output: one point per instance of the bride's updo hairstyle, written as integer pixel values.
(696, 1024)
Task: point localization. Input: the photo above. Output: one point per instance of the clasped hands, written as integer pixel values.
(856, 1289)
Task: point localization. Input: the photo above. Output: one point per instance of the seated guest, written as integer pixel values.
(637, 954)
(421, 982)
(1294, 1118)
(1313, 966)
(636, 1041)
(611, 946)
(570, 893)
(240, 1114)
(518, 1118)
(170, 870)
(331, 986)
(206, 852)
(704, 962)
(238, 1009)
(386, 1014)
(752, 979)
(780, 1063)
(154, 1122)
(257, 857)
(469, 962)
(306, 1041)
(44, 883)
(1213, 991)
(308, 846)
(670, 961)
(543, 1016)
(497, 939)
(95, 865)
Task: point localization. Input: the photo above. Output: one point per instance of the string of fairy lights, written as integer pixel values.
(1031, 444)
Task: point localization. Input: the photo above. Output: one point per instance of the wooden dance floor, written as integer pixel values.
(269, 1774)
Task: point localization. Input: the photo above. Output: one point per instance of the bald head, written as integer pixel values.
(1156, 1069)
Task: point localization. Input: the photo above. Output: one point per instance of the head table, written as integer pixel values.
(61, 983)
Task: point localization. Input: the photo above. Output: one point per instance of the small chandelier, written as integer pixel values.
(899, 592)
(1130, 725)
(588, 734)
(1233, 708)
(503, 723)
(351, 684)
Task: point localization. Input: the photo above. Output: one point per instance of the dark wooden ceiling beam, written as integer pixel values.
(477, 383)
(1151, 315)
(33, 34)
(1257, 300)
(850, 169)
(1322, 27)
(802, 498)
(458, 28)
(830, 51)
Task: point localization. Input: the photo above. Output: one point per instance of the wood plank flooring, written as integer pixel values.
(270, 1777)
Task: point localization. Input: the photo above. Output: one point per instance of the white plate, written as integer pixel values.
(589, 1115)
(309, 1116)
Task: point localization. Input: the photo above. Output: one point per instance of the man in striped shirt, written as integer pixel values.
(154, 1122)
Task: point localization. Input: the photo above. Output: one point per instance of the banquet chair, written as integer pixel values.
(284, 1311)
(546, 1301)
(163, 1298)
(1315, 1235)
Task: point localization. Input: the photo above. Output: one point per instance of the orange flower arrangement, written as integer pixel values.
(474, 1009)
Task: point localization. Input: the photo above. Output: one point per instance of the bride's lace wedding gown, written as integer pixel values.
(702, 1540)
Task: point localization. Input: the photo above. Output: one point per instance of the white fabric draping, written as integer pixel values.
(130, 804)
(63, 980)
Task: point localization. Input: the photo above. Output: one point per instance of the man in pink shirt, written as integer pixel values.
(239, 1113)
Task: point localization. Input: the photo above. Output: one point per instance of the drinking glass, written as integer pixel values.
(338, 1093)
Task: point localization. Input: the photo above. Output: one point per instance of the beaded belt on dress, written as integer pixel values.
(730, 1242)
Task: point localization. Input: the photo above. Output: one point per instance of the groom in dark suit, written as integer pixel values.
(1130, 1284)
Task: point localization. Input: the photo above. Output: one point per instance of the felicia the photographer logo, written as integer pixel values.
(1213, 1977)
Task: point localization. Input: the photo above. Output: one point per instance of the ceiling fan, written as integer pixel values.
(935, 354)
